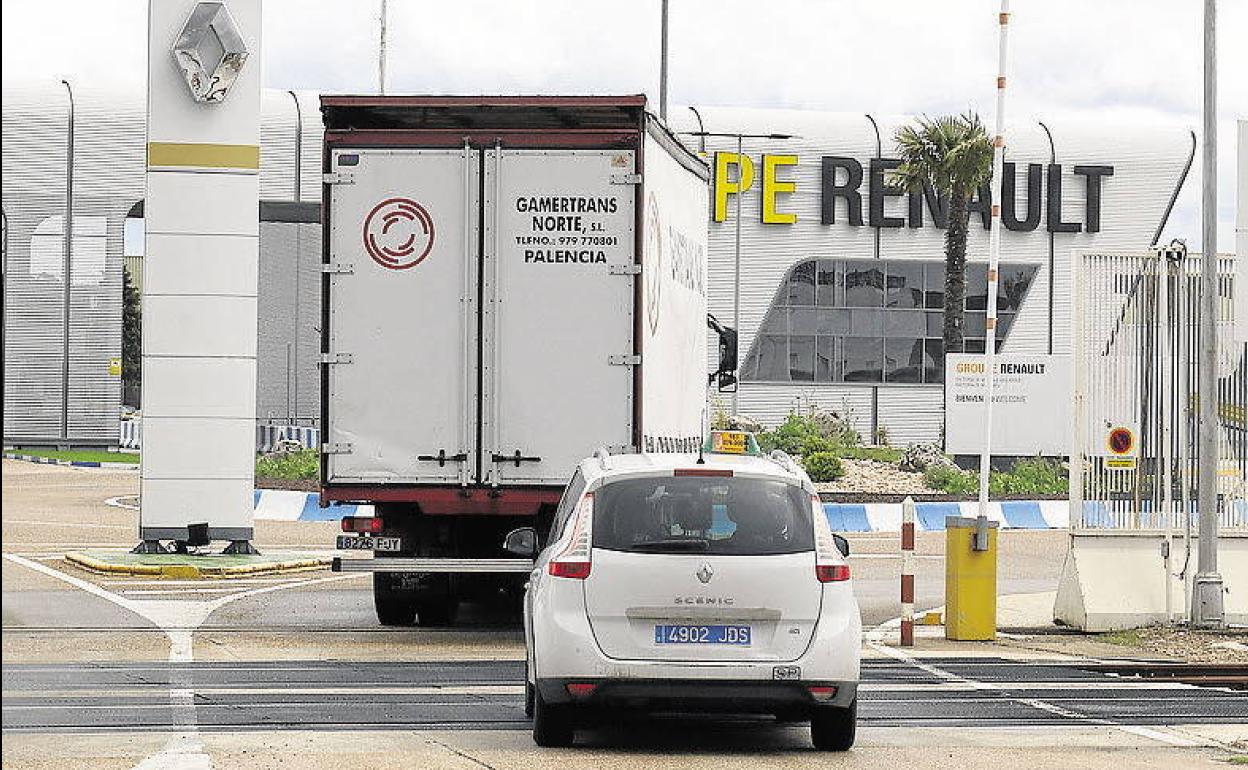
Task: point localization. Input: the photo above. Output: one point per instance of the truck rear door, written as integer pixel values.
(401, 316)
(557, 359)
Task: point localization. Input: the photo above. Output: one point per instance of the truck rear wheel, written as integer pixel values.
(395, 605)
(434, 602)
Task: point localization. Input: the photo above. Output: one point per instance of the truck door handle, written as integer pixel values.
(516, 458)
(443, 458)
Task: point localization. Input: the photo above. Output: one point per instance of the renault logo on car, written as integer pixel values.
(705, 573)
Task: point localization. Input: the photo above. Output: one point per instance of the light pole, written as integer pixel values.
(1207, 585)
(736, 281)
(381, 52)
(663, 66)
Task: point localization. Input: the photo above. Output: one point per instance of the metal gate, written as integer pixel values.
(1136, 349)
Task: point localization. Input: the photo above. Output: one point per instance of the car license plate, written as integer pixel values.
(349, 543)
(687, 634)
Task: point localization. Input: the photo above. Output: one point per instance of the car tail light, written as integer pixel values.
(574, 561)
(370, 524)
(581, 689)
(830, 566)
(822, 692)
(832, 573)
(577, 570)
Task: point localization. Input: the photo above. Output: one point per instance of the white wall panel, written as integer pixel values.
(180, 202)
(197, 387)
(192, 325)
(176, 264)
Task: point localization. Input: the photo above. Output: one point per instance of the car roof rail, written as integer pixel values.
(602, 454)
(782, 458)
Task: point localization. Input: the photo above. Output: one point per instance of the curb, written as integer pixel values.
(72, 463)
(193, 572)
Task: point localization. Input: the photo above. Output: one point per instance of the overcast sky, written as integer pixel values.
(1130, 60)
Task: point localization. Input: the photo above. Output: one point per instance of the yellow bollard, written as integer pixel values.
(970, 582)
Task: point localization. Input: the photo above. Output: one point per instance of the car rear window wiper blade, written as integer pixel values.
(694, 544)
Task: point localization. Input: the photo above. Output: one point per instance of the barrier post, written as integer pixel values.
(907, 572)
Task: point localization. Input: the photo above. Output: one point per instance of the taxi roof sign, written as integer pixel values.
(732, 442)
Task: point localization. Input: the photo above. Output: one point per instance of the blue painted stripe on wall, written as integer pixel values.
(931, 516)
(1023, 514)
(847, 517)
(312, 510)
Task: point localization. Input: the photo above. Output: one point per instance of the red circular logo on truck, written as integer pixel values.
(398, 233)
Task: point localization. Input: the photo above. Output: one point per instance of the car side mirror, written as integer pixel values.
(724, 375)
(521, 542)
(842, 545)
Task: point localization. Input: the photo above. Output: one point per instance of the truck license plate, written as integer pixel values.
(349, 543)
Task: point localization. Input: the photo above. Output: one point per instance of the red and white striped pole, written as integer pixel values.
(907, 572)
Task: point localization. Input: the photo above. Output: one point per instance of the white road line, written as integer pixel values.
(180, 591)
(178, 619)
(1144, 732)
(116, 502)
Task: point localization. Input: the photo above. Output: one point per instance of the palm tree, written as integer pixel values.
(953, 155)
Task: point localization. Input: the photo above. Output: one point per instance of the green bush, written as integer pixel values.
(823, 466)
(1036, 476)
(304, 464)
(809, 433)
(1028, 477)
(950, 479)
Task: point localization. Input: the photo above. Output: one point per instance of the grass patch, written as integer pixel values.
(304, 464)
(880, 454)
(80, 455)
(1238, 759)
(1128, 638)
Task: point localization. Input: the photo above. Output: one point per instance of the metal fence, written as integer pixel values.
(1136, 346)
(268, 435)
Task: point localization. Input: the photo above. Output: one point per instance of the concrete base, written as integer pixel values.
(1113, 580)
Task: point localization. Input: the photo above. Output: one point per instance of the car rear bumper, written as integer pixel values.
(698, 695)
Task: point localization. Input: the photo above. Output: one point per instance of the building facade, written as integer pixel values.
(835, 281)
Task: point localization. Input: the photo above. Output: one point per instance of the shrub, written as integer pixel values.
(823, 466)
(807, 433)
(303, 464)
(1035, 476)
(950, 479)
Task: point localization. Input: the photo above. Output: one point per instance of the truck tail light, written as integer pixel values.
(830, 566)
(574, 561)
(369, 524)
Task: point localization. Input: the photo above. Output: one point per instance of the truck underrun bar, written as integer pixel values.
(450, 565)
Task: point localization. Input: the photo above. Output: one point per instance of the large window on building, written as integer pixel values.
(873, 321)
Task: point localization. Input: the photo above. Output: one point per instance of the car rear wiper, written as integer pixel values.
(691, 544)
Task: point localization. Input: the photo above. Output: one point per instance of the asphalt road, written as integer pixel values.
(488, 695)
(293, 671)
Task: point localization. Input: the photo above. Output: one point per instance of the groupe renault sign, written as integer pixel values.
(844, 178)
(209, 52)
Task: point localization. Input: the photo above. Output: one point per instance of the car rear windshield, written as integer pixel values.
(703, 515)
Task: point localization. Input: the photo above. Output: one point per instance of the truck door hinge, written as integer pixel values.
(337, 448)
(338, 268)
(335, 358)
(338, 177)
(626, 179)
(630, 359)
(631, 268)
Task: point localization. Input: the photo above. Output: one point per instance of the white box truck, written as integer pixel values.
(509, 284)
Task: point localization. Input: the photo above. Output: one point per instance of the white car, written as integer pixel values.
(690, 583)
